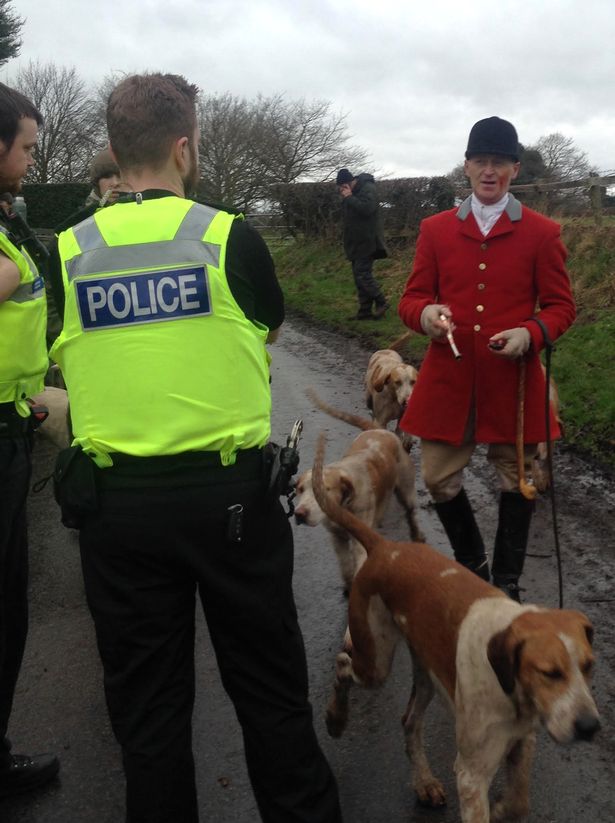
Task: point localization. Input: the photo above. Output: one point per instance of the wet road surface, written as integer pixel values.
(60, 703)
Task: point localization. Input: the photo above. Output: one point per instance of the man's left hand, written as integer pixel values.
(511, 343)
(345, 190)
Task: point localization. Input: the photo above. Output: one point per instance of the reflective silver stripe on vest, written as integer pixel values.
(24, 292)
(186, 247)
(195, 223)
(4, 230)
(88, 235)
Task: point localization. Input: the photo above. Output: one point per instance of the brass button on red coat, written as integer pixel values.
(483, 246)
(477, 327)
(481, 286)
(482, 266)
(480, 308)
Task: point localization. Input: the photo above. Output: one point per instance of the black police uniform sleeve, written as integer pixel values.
(54, 274)
(251, 276)
(55, 266)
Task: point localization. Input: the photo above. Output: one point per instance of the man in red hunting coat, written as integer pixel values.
(491, 268)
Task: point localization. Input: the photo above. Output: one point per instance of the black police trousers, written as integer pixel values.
(145, 555)
(15, 471)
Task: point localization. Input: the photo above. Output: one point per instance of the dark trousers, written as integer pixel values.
(15, 471)
(145, 555)
(368, 290)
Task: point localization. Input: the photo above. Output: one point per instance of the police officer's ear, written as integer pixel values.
(113, 155)
(181, 153)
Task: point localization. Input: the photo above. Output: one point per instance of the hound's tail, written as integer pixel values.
(354, 419)
(397, 344)
(344, 518)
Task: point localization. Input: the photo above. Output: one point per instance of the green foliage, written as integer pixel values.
(318, 284)
(407, 201)
(10, 30)
(313, 210)
(50, 204)
(592, 257)
(310, 209)
(532, 166)
(584, 370)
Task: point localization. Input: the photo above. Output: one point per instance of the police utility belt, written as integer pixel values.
(77, 480)
(13, 425)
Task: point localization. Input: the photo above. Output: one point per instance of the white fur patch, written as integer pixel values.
(401, 619)
(574, 702)
(446, 572)
(394, 555)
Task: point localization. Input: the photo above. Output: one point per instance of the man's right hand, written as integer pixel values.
(431, 321)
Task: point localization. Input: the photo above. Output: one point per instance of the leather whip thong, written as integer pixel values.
(527, 489)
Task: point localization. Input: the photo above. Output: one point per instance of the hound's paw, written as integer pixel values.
(431, 793)
(343, 664)
(501, 811)
(336, 722)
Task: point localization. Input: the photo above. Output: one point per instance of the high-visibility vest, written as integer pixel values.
(23, 324)
(157, 355)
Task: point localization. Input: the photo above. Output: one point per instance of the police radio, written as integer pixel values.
(20, 234)
(284, 465)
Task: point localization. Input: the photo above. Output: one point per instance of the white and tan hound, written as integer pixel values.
(373, 469)
(388, 385)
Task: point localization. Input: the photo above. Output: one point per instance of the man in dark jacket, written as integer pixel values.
(363, 239)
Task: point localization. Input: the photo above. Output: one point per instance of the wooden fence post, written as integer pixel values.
(595, 196)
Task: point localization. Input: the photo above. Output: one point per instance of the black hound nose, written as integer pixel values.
(586, 726)
(299, 517)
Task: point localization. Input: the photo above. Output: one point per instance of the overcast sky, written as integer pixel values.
(411, 76)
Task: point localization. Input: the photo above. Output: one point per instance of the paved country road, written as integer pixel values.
(60, 705)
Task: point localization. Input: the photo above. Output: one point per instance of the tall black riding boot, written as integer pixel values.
(511, 542)
(460, 526)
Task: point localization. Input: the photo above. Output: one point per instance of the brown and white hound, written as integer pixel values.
(503, 668)
(372, 469)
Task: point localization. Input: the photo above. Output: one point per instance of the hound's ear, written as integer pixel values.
(503, 652)
(589, 631)
(347, 489)
(584, 625)
(379, 379)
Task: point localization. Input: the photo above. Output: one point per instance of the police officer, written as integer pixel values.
(23, 363)
(168, 307)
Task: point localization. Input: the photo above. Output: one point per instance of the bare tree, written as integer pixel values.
(101, 98)
(562, 159)
(10, 31)
(231, 172)
(300, 141)
(247, 147)
(457, 178)
(71, 133)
